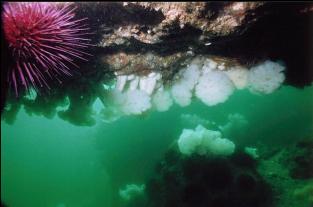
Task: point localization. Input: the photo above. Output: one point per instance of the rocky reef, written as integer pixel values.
(140, 38)
(289, 171)
(244, 32)
(208, 181)
(275, 176)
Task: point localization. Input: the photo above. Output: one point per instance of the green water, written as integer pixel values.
(52, 163)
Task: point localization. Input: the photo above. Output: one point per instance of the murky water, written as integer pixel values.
(52, 163)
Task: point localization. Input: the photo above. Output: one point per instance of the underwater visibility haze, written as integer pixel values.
(156, 104)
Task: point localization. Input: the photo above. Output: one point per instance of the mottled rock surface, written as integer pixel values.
(248, 32)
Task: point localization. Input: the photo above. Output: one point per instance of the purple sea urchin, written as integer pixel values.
(45, 40)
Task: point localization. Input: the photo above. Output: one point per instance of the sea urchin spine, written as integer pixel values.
(45, 40)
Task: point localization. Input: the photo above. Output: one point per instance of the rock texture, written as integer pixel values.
(207, 181)
(245, 31)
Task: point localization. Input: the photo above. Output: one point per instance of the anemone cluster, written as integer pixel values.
(204, 142)
(135, 94)
(205, 79)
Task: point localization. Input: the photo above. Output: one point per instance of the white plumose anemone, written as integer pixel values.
(239, 76)
(181, 94)
(136, 102)
(131, 101)
(210, 81)
(214, 87)
(266, 77)
(191, 75)
(148, 83)
(130, 191)
(182, 89)
(121, 82)
(162, 100)
(188, 141)
(204, 142)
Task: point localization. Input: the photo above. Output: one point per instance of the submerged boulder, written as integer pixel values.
(207, 181)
